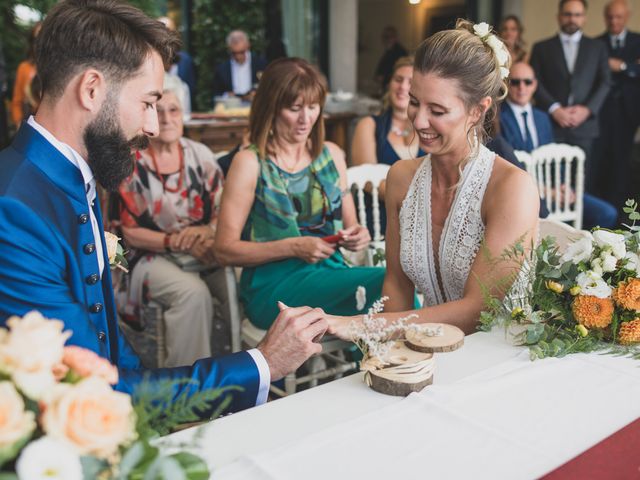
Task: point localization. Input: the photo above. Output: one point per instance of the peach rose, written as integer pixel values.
(90, 416)
(87, 363)
(16, 423)
(29, 351)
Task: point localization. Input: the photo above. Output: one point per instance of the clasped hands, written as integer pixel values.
(572, 116)
(197, 241)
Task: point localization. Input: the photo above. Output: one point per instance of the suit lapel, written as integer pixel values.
(558, 55)
(581, 57)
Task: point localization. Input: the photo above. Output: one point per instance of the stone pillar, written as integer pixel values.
(343, 45)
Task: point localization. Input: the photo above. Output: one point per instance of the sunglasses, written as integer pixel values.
(515, 82)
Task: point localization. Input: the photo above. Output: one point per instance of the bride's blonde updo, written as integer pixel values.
(468, 57)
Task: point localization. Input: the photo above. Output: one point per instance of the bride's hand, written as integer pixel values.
(341, 327)
(355, 238)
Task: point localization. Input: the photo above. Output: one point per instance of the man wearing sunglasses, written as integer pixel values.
(574, 79)
(525, 127)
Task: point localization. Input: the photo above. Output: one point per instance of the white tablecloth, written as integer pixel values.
(514, 419)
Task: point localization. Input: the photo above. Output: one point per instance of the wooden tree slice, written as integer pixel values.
(408, 371)
(399, 354)
(452, 339)
(392, 387)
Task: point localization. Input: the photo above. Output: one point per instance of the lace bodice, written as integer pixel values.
(461, 236)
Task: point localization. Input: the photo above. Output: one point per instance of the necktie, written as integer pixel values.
(528, 140)
(618, 46)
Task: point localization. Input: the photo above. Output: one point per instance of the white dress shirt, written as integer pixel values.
(90, 187)
(241, 75)
(622, 36)
(570, 47)
(517, 111)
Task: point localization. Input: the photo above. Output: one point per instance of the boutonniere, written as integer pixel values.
(115, 252)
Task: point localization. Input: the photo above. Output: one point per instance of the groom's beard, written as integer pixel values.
(108, 150)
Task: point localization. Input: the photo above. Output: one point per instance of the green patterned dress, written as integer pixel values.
(308, 202)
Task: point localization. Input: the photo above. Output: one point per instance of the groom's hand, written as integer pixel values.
(290, 340)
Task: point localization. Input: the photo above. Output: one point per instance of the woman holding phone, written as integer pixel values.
(286, 206)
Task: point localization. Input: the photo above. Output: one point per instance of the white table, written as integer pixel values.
(280, 439)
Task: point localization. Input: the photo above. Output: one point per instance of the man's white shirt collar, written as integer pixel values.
(574, 38)
(622, 36)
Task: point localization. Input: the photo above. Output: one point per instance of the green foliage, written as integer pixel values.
(379, 257)
(14, 36)
(212, 21)
(159, 410)
(541, 298)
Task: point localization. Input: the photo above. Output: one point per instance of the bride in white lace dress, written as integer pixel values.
(441, 207)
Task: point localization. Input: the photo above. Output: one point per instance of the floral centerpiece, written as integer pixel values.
(60, 418)
(584, 299)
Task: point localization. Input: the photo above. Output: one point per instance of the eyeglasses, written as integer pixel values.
(325, 207)
(515, 82)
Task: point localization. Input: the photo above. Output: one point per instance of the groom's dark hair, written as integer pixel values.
(108, 35)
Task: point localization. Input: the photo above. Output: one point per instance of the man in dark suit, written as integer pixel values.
(101, 63)
(239, 75)
(620, 115)
(525, 127)
(574, 79)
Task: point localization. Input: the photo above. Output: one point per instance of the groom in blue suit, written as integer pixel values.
(101, 64)
(526, 127)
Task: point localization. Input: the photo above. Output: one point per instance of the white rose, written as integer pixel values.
(615, 241)
(112, 245)
(596, 267)
(633, 261)
(31, 349)
(16, 423)
(609, 262)
(591, 283)
(48, 459)
(90, 416)
(361, 297)
(498, 48)
(482, 29)
(578, 251)
(34, 385)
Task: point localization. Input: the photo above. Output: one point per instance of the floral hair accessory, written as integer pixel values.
(483, 30)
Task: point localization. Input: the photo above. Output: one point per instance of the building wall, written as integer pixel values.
(374, 15)
(539, 17)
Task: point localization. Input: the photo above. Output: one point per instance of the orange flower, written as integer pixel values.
(593, 312)
(627, 295)
(629, 332)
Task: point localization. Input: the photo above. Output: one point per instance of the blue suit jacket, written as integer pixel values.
(48, 263)
(511, 130)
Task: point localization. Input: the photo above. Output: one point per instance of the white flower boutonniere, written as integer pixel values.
(115, 252)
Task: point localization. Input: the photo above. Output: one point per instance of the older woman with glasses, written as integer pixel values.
(286, 207)
(168, 218)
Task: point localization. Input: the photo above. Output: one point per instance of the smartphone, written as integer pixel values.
(332, 238)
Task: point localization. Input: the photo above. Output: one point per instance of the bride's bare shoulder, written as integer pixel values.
(401, 174)
(511, 187)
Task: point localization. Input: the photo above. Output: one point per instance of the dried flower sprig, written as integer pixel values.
(374, 336)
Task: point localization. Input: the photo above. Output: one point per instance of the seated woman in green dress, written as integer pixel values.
(284, 196)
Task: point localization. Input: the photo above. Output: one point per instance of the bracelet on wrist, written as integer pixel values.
(167, 243)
